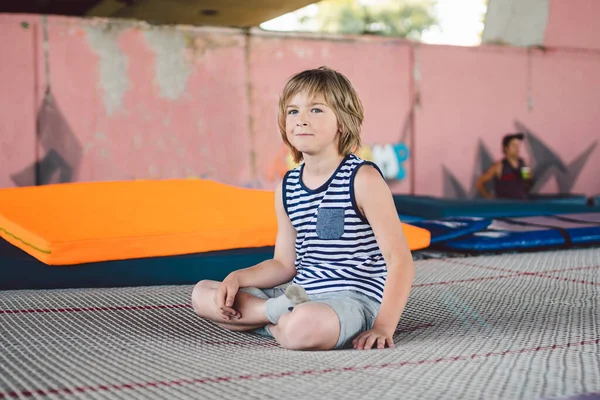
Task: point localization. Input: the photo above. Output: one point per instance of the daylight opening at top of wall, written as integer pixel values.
(460, 22)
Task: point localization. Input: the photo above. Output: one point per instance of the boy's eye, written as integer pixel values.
(292, 112)
(316, 110)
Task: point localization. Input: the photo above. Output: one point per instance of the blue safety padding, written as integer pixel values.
(19, 270)
(448, 229)
(409, 219)
(569, 198)
(429, 207)
(531, 233)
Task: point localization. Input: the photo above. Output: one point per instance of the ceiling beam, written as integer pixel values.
(106, 8)
(233, 13)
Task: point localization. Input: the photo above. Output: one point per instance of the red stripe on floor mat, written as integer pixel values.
(245, 344)
(84, 309)
(200, 381)
(512, 275)
(413, 328)
(485, 278)
(560, 278)
(516, 271)
(540, 274)
(459, 262)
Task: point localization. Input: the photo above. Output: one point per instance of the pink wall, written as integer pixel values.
(472, 94)
(133, 102)
(17, 102)
(127, 103)
(573, 23)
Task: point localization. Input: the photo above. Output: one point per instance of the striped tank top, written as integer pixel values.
(335, 245)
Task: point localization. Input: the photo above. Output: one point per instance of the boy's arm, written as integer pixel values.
(374, 199)
(281, 268)
(270, 273)
(492, 172)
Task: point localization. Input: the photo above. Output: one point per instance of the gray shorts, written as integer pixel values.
(356, 311)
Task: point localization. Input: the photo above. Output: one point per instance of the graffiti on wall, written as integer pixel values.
(546, 163)
(60, 150)
(390, 158)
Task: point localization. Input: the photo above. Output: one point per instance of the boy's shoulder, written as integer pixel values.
(368, 169)
(368, 172)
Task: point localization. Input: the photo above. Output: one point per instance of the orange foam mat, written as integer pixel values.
(77, 223)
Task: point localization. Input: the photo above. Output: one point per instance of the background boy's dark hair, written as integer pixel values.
(507, 138)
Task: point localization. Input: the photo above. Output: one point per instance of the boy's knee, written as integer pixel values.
(200, 290)
(303, 330)
(296, 330)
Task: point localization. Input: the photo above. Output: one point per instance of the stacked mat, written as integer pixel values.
(154, 232)
(109, 234)
(474, 234)
(77, 223)
(430, 207)
(19, 270)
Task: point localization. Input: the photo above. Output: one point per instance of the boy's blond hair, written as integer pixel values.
(339, 95)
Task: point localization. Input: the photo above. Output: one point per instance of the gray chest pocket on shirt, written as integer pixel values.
(330, 223)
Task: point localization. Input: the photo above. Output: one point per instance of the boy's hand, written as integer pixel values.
(375, 336)
(225, 297)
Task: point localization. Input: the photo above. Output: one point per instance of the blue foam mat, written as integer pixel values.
(19, 270)
(566, 198)
(429, 207)
(448, 229)
(529, 233)
(409, 219)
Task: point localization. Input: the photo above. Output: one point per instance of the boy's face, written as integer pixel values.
(310, 125)
(512, 149)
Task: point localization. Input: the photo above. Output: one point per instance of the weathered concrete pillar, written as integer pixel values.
(516, 22)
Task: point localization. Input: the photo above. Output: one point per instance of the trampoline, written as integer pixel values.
(520, 326)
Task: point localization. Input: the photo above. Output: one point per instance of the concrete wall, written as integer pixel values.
(516, 22)
(124, 103)
(136, 102)
(549, 23)
(573, 24)
(18, 101)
